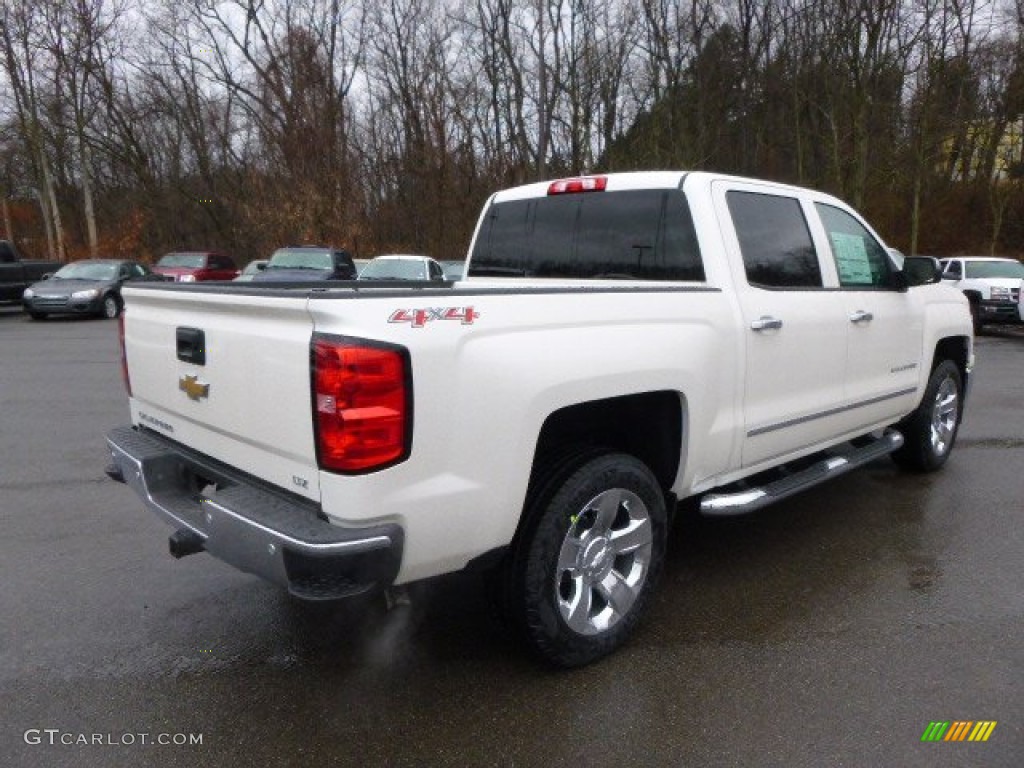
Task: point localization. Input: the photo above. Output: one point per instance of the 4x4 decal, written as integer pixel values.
(417, 318)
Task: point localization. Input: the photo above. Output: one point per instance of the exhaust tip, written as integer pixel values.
(184, 542)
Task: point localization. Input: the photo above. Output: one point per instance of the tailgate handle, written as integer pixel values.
(191, 345)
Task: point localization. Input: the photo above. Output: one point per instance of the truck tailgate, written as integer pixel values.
(226, 374)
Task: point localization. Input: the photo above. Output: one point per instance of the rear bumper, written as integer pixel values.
(271, 534)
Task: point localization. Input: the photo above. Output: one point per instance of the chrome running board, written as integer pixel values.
(748, 499)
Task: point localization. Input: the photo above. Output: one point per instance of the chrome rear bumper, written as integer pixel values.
(258, 530)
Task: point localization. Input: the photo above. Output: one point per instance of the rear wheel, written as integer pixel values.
(37, 315)
(930, 432)
(583, 567)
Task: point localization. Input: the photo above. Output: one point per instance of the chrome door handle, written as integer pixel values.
(766, 323)
(860, 316)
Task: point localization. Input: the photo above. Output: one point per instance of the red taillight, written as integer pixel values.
(124, 356)
(581, 184)
(361, 404)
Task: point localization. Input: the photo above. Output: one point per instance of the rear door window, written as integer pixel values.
(633, 234)
(774, 240)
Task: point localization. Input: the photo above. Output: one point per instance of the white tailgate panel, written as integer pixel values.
(257, 414)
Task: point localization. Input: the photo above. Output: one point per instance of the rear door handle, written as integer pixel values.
(860, 316)
(766, 323)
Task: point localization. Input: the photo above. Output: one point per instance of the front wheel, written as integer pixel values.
(588, 557)
(930, 431)
(111, 306)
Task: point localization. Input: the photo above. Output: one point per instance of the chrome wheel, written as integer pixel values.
(945, 412)
(111, 308)
(929, 433)
(582, 569)
(604, 561)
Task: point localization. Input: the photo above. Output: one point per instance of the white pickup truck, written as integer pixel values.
(621, 342)
(991, 285)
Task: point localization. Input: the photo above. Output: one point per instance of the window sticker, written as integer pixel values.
(851, 259)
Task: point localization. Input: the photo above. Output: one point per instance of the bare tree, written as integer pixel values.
(73, 35)
(22, 61)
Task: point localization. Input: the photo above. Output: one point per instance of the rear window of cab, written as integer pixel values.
(630, 234)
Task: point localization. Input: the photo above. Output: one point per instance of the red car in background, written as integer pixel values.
(196, 266)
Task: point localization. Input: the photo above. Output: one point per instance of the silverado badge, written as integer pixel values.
(194, 388)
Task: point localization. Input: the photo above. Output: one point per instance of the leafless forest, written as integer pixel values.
(133, 127)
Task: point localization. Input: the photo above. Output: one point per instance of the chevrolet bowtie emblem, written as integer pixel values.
(192, 387)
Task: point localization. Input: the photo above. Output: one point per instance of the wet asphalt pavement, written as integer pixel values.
(826, 631)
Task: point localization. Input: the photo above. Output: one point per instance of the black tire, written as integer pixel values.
(595, 528)
(976, 317)
(37, 315)
(929, 433)
(111, 306)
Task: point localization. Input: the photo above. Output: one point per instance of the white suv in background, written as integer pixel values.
(993, 286)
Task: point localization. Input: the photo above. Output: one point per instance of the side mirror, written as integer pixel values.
(922, 270)
(261, 267)
(47, 275)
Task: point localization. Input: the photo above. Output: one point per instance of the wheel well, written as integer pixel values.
(648, 426)
(952, 348)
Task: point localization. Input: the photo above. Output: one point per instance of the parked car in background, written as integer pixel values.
(298, 263)
(252, 269)
(360, 263)
(86, 287)
(196, 266)
(16, 274)
(991, 285)
(402, 266)
(453, 270)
